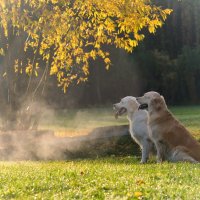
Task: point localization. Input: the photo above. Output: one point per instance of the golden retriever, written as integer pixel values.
(138, 124)
(172, 140)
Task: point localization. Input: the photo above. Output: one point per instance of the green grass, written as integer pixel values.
(190, 117)
(108, 178)
(102, 178)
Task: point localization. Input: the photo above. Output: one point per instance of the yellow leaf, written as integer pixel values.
(107, 60)
(5, 74)
(97, 45)
(36, 73)
(137, 194)
(140, 182)
(133, 43)
(54, 1)
(151, 29)
(168, 11)
(2, 52)
(54, 70)
(107, 67)
(93, 54)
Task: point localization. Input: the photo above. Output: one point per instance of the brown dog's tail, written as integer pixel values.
(181, 153)
(195, 151)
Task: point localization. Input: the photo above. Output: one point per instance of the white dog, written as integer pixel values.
(138, 124)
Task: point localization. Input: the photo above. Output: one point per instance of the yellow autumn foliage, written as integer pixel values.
(70, 33)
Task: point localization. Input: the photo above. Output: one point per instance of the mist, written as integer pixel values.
(66, 134)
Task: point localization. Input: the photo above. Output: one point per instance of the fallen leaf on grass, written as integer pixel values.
(140, 182)
(137, 194)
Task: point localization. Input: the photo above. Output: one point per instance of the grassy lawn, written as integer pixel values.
(108, 178)
(104, 178)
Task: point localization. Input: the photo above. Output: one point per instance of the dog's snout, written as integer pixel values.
(114, 106)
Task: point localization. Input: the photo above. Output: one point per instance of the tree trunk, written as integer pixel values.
(98, 85)
(190, 81)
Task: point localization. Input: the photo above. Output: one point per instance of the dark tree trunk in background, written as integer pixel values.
(190, 81)
(14, 84)
(98, 85)
(197, 22)
(8, 86)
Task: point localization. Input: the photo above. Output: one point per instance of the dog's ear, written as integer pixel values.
(157, 103)
(163, 100)
(133, 104)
